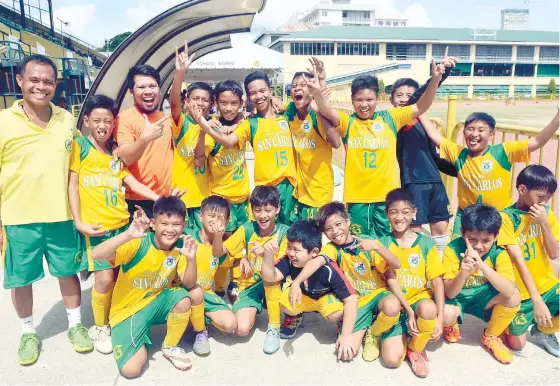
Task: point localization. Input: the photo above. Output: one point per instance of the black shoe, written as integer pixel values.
(290, 325)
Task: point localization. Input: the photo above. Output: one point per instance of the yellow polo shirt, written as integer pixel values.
(34, 164)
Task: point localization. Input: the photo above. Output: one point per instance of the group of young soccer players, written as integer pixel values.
(390, 288)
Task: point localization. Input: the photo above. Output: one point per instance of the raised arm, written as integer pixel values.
(427, 99)
(323, 105)
(431, 130)
(227, 140)
(182, 63)
(542, 138)
(269, 272)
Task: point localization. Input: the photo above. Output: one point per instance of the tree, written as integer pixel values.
(551, 88)
(112, 44)
(381, 86)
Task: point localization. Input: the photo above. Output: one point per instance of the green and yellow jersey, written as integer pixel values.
(518, 227)
(496, 258)
(100, 179)
(371, 169)
(486, 178)
(206, 263)
(185, 174)
(272, 144)
(315, 176)
(237, 246)
(145, 270)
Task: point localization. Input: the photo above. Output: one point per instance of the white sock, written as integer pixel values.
(441, 242)
(27, 326)
(74, 316)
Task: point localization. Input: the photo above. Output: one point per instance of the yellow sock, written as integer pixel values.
(220, 278)
(383, 323)
(197, 317)
(551, 330)
(426, 327)
(500, 320)
(273, 294)
(176, 326)
(101, 305)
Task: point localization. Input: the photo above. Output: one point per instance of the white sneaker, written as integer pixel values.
(178, 357)
(101, 337)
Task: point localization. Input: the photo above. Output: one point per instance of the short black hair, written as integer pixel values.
(201, 86)
(228, 85)
(481, 218)
(363, 82)
(399, 195)
(404, 82)
(100, 101)
(265, 195)
(141, 69)
(486, 118)
(306, 74)
(170, 206)
(537, 177)
(38, 59)
(214, 204)
(307, 233)
(328, 210)
(255, 76)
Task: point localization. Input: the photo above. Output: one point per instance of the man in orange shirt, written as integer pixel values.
(144, 137)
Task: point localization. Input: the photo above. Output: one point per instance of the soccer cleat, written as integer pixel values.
(272, 340)
(101, 337)
(232, 292)
(419, 363)
(201, 344)
(371, 346)
(79, 337)
(290, 325)
(178, 357)
(452, 334)
(495, 346)
(29, 348)
(548, 341)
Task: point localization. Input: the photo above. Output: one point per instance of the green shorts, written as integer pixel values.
(368, 306)
(252, 296)
(213, 303)
(369, 219)
(525, 316)
(302, 211)
(473, 301)
(238, 216)
(133, 333)
(193, 219)
(25, 245)
(286, 190)
(88, 243)
(456, 232)
(401, 327)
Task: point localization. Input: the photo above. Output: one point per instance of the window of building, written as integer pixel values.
(312, 49)
(395, 24)
(344, 13)
(452, 90)
(398, 51)
(360, 49)
(525, 53)
(492, 69)
(460, 51)
(403, 24)
(461, 69)
(324, 13)
(548, 70)
(490, 89)
(491, 53)
(522, 90)
(387, 23)
(549, 54)
(522, 69)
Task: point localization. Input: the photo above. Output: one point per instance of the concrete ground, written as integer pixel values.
(307, 359)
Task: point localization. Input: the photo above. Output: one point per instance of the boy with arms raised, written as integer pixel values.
(143, 295)
(325, 289)
(530, 234)
(265, 204)
(420, 265)
(479, 280)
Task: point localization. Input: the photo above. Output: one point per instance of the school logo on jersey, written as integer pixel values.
(487, 166)
(355, 229)
(214, 262)
(413, 260)
(114, 165)
(360, 267)
(283, 125)
(169, 262)
(377, 126)
(519, 320)
(68, 145)
(306, 126)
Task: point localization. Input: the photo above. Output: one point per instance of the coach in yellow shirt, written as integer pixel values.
(35, 146)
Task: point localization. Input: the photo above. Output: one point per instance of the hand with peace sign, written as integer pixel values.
(183, 60)
(153, 131)
(317, 69)
(448, 61)
(367, 245)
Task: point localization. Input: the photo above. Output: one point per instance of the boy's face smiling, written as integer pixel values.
(337, 229)
(298, 255)
(300, 93)
(200, 100)
(101, 124)
(228, 105)
(364, 102)
(210, 218)
(259, 94)
(477, 137)
(401, 96)
(481, 241)
(167, 229)
(400, 215)
(528, 198)
(266, 217)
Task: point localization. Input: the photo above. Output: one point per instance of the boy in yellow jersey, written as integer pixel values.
(271, 140)
(97, 202)
(214, 211)
(189, 172)
(370, 140)
(363, 261)
(530, 234)
(479, 280)
(327, 291)
(484, 170)
(421, 268)
(246, 246)
(143, 295)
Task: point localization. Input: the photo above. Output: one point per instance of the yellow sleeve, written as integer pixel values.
(176, 127)
(75, 161)
(235, 244)
(554, 224)
(434, 266)
(209, 145)
(124, 171)
(329, 251)
(181, 264)
(344, 122)
(283, 249)
(401, 116)
(504, 266)
(450, 150)
(378, 262)
(450, 264)
(506, 236)
(517, 151)
(243, 133)
(126, 252)
(76, 132)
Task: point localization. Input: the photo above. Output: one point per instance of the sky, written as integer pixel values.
(97, 20)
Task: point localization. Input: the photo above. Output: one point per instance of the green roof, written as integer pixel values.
(422, 34)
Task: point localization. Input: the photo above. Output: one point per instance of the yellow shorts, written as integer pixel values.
(325, 305)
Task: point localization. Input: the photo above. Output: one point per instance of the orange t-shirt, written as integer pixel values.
(153, 169)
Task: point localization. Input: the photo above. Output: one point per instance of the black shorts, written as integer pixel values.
(431, 202)
(147, 205)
